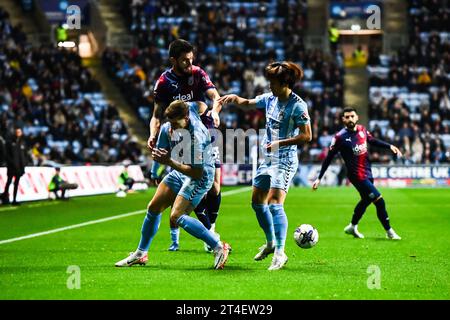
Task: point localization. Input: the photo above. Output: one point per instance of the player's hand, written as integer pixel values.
(215, 116)
(229, 98)
(161, 156)
(272, 146)
(316, 184)
(155, 181)
(396, 151)
(151, 142)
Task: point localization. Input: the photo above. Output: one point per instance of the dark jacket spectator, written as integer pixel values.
(16, 160)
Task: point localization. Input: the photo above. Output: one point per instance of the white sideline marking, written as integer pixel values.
(231, 192)
(120, 216)
(33, 205)
(74, 226)
(8, 208)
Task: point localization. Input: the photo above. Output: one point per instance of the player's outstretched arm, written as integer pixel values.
(214, 95)
(382, 144)
(396, 151)
(239, 101)
(325, 164)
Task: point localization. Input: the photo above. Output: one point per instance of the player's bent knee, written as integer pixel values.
(275, 200)
(276, 196)
(258, 197)
(156, 206)
(378, 198)
(174, 218)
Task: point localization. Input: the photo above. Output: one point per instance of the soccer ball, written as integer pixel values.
(306, 236)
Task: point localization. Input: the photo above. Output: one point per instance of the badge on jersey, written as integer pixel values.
(304, 116)
(361, 134)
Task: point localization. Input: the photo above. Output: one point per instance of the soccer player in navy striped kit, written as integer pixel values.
(287, 125)
(351, 142)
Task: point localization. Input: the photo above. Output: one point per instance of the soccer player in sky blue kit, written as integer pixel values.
(184, 81)
(287, 125)
(351, 142)
(185, 185)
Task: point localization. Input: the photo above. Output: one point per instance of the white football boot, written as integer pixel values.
(278, 261)
(353, 230)
(264, 251)
(391, 234)
(121, 194)
(174, 246)
(221, 255)
(133, 259)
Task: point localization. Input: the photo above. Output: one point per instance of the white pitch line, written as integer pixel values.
(8, 209)
(74, 226)
(120, 216)
(240, 190)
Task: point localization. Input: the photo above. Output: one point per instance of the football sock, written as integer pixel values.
(265, 220)
(149, 228)
(203, 219)
(280, 224)
(200, 213)
(359, 211)
(382, 213)
(198, 230)
(213, 205)
(175, 234)
(201, 207)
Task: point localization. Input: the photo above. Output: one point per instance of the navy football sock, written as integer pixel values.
(203, 218)
(359, 211)
(382, 213)
(213, 205)
(200, 213)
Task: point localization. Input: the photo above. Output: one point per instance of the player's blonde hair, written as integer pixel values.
(286, 72)
(177, 110)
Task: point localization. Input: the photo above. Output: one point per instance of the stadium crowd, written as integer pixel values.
(58, 103)
(66, 119)
(409, 91)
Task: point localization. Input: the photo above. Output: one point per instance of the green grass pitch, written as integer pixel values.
(339, 267)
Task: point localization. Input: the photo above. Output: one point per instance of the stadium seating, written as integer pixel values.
(234, 44)
(66, 118)
(410, 90)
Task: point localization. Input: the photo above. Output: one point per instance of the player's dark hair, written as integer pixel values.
(177, 110)
(348, 109)
(286, 72)
(178, 47)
